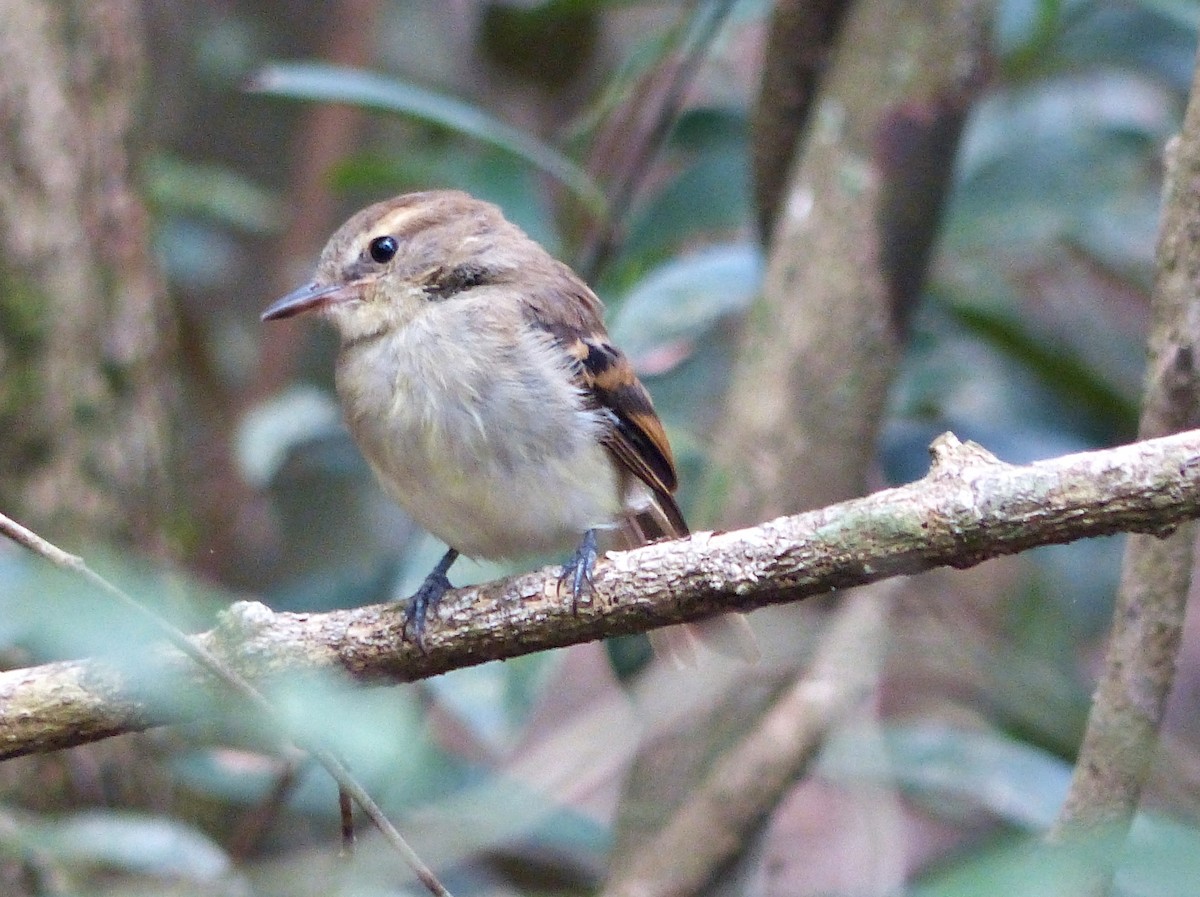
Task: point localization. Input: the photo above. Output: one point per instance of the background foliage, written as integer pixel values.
(1029, 339)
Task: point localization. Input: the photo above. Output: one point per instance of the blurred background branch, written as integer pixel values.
(86, 326)
(1139, 667)
(821, 346)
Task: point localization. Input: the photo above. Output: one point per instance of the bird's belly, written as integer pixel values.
(496, 466)
(489, 509)
(491, 486)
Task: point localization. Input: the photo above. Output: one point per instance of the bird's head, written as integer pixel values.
(392, 261)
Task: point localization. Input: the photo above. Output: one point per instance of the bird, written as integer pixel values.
(478, 380)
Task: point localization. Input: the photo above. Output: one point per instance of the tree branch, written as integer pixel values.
(969, 508)
(1139, 670)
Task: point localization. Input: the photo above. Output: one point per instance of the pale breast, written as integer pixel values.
(481, 438)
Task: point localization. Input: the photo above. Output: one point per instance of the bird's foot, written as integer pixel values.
(426, 598)
(578, 570)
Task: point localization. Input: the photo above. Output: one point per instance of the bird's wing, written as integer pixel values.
(606, 377)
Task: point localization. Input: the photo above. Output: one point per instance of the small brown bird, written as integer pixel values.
(479, 382)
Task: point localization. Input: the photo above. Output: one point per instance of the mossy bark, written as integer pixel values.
(84, 333)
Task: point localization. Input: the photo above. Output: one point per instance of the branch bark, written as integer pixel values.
(1139, 669)
(969, 508)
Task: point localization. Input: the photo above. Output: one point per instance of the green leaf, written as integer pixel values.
(710, 196)
(1073, 157)
(54, 614)
(1019, 783)
(495, 700)
(382, 734)
(131, 842)
(1057, 366)
(218, 193)
(1182, 13)
(1161, 860)
(271, 430)
(1022, 866)
(685, 298)
(339, 84)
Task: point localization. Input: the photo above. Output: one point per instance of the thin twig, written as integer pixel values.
(694, 44)
(346, 810)
(240, 686)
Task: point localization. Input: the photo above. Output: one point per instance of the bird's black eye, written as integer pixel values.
(383, 249)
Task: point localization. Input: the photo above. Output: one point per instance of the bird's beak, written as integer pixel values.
(306, 298)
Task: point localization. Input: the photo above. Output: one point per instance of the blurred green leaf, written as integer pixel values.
(382, 734)
(269, 431)
(708, 194)
(1018, 783)
(683, 299)
(952, 379)
(131, 842)
(15, 570)
(709, 197)
(1009, 866)
(628, 655)
(326, 587)
(1184, 13)
(1025, 33)
(499, 811)
(198, 253)
(711, 128)
(228, 45)
(1162, 859)
(336, 84)
(56, 615)
(1066, 158)
(647, 52)
(1082, 386)
(1155, 37)
(1030, 679)
(1071, 596)
(495, 700)
(179, 186)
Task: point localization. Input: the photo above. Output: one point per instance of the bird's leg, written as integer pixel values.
(426, 598)
(578, 570)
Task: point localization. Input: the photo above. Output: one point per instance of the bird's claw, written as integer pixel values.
(425, 599)
(418, 606)
(578, 570)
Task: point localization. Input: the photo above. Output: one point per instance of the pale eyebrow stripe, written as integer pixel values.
(405, 220)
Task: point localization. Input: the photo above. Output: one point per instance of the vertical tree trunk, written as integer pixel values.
(848, 254)
(84, 333)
